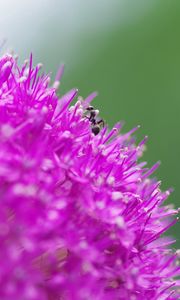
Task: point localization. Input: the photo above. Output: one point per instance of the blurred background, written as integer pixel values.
(128, 51)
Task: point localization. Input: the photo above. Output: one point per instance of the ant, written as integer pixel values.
(96, 125)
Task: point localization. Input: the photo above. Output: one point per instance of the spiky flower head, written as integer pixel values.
(79, 219)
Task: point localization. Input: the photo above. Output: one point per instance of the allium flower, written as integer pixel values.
(80, 218)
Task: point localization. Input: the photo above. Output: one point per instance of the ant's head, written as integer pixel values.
(96, 129)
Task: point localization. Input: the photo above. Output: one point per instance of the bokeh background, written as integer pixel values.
(127, 50)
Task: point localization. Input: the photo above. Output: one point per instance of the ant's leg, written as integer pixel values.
(101, 122)
(92, 120)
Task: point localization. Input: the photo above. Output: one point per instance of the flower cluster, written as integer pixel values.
(80, 218)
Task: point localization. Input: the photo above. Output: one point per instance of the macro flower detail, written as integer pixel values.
(80, 218)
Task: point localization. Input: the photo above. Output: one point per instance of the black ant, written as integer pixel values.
(96, 125)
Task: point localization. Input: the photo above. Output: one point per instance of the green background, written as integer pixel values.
(128, 51)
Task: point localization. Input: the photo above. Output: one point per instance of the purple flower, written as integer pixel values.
(80, 218)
